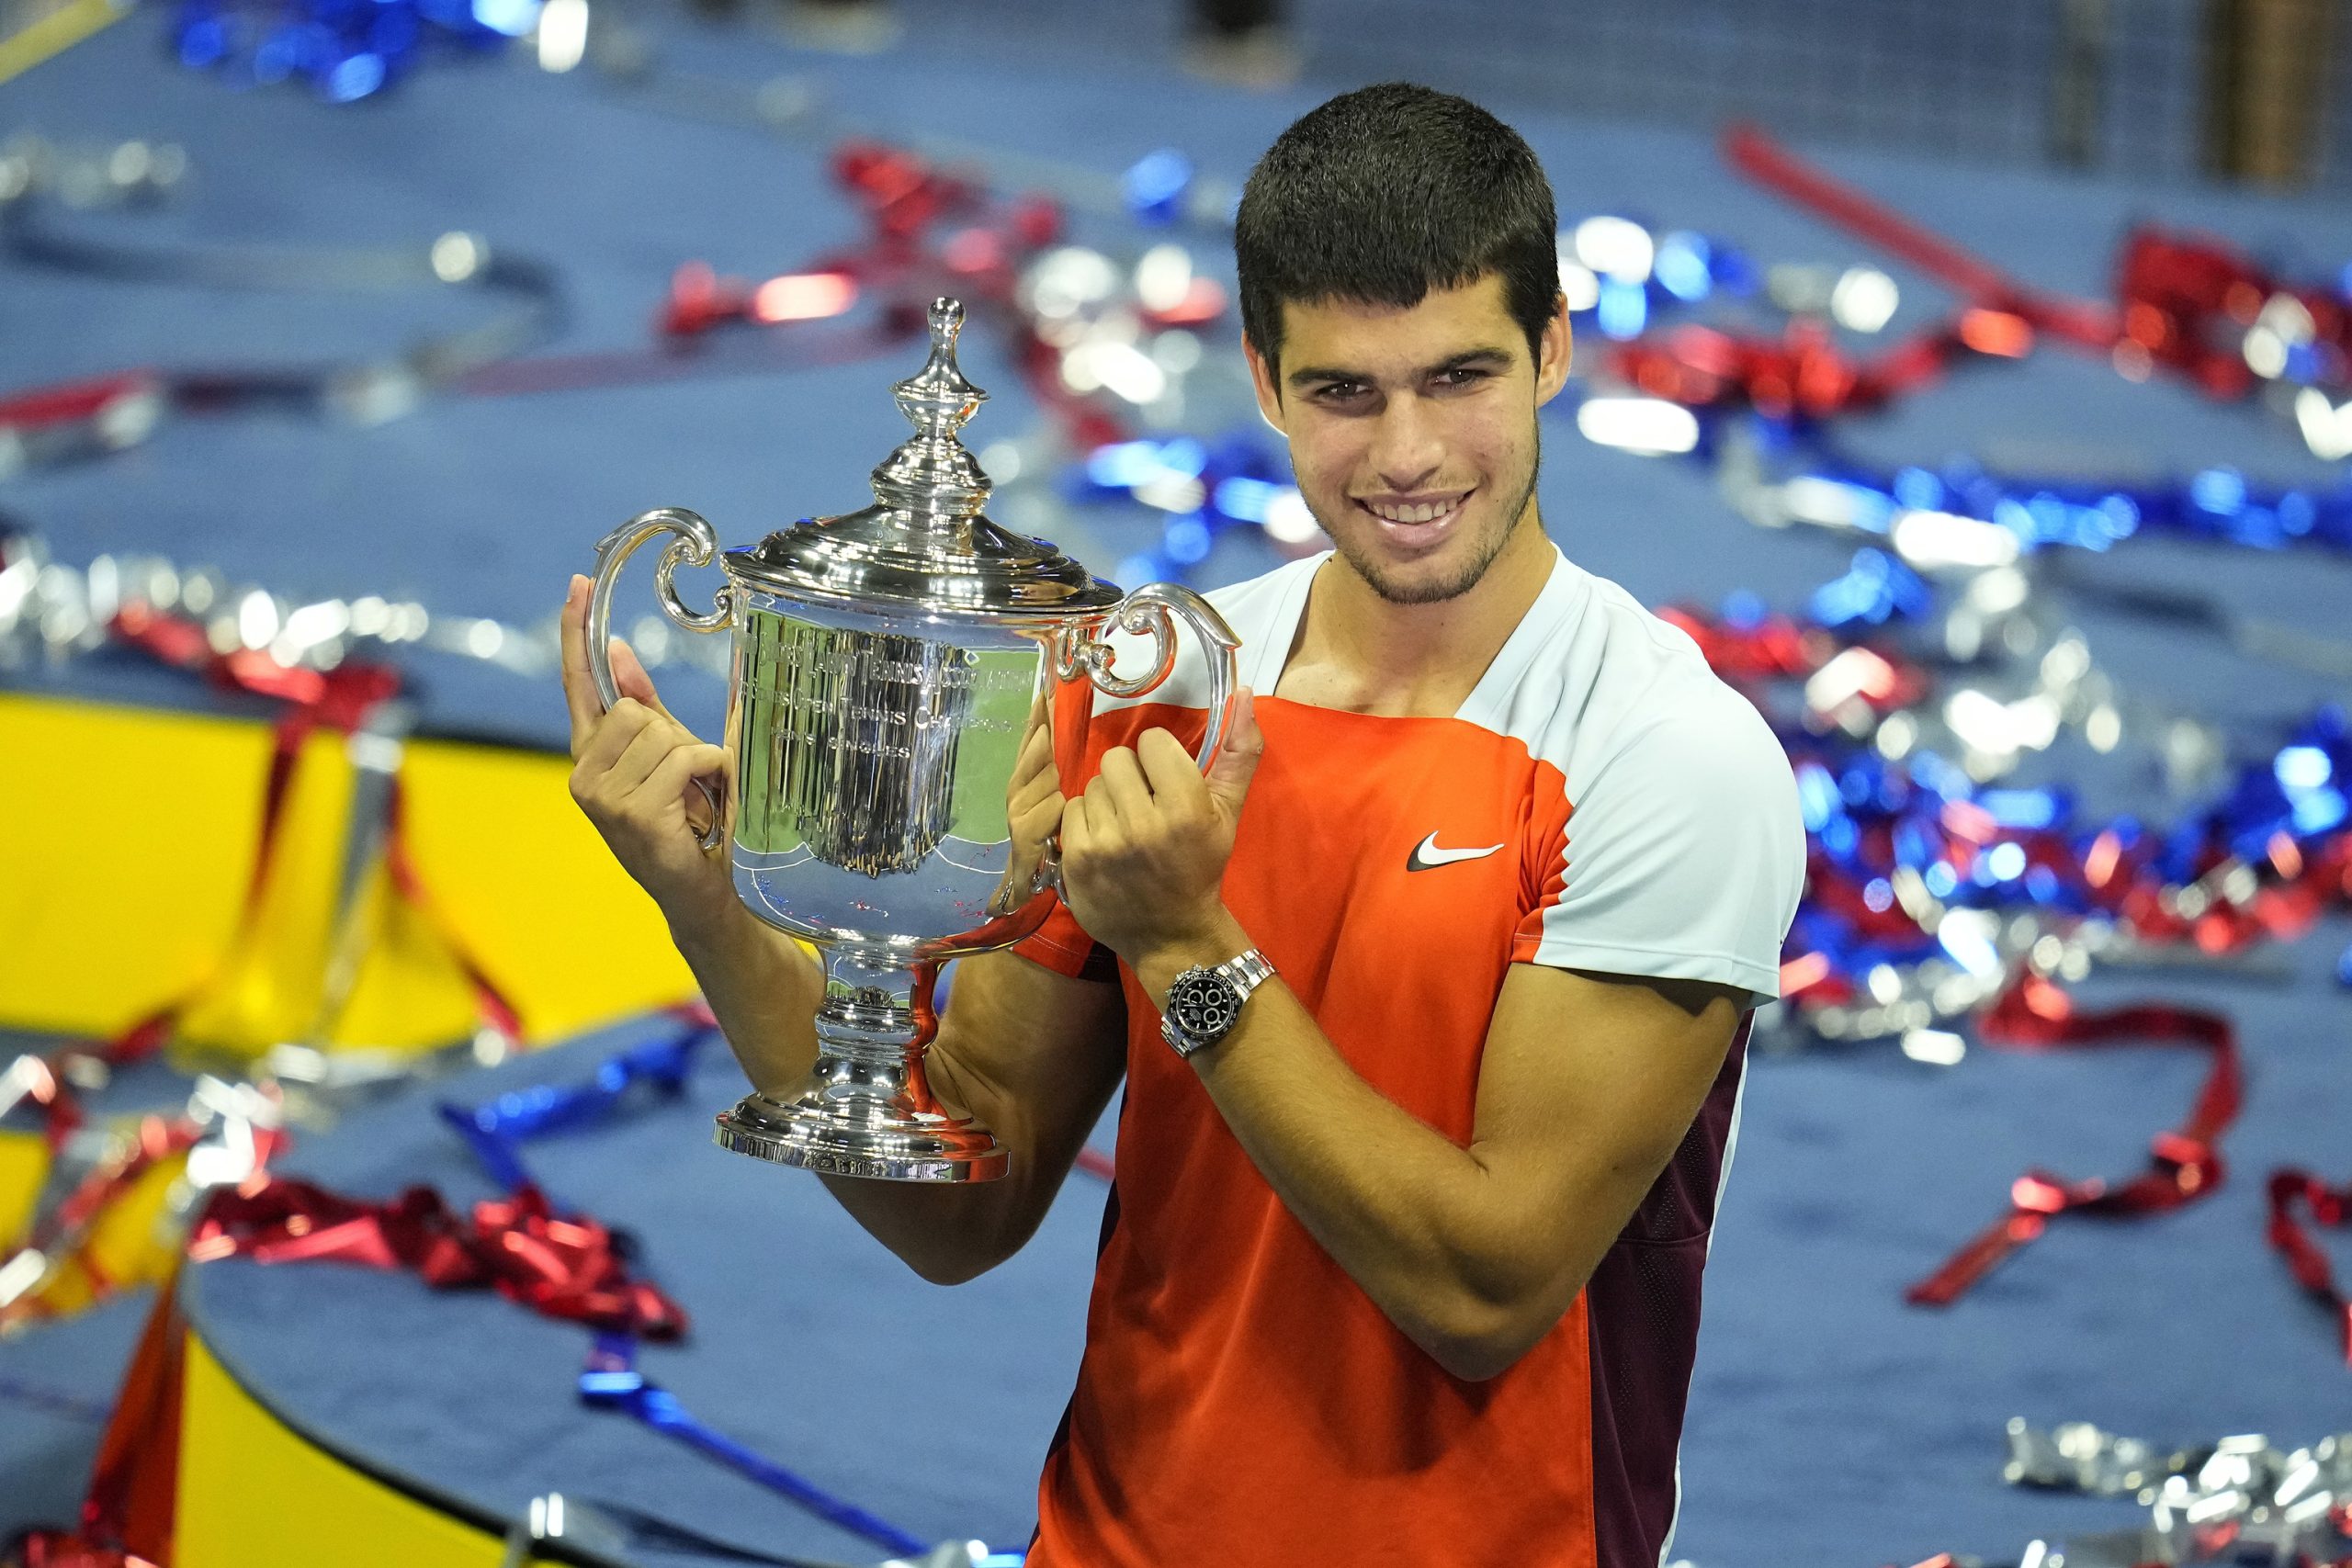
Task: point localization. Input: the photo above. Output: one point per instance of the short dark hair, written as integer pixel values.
(1383, 194)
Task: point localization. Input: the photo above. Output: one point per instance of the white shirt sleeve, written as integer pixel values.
(1685, 858)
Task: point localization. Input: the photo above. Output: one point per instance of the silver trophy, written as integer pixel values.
(889, 665)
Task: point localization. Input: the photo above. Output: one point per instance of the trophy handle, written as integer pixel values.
(1152, 611)
(693, 544)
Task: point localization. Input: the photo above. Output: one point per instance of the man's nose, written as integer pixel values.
(1406, 451)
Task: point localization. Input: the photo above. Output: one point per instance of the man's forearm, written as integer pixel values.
(1417, 1220)
(762, 986)
(764, 989)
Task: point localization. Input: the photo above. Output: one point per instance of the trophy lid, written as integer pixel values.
(923, 543)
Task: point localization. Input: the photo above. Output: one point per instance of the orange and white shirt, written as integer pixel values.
(1602, 801)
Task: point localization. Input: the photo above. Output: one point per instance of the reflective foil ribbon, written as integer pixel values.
(559, 1266)
(2193, 306)
(611, 1382)
(1765, 161)
(2240, 1500)
(1928, 892)
(57, 613)
(58, 1237)
(340, 698)
(2184, 304)
(228, 1133)
(1802, 373)
(1930, 887)
(495, 1130)
(337, 699)
(2291, 1189)
(2184, 1166)
(95, 416)
(344, 52)
(1997, 518)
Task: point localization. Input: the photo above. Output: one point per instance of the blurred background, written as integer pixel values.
(1973, 383)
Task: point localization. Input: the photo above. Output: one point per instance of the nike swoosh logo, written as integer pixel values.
(1427, 854)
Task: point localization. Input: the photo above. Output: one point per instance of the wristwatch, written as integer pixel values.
(1204, 1004)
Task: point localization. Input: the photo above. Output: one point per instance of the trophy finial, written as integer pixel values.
(932, 476)
(937, 398)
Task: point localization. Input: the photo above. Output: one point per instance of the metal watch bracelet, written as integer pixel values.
(1204, 1002)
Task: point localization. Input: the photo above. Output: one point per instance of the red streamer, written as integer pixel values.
(1802, 372)
(2083, 322)
(132, 1506)
(2185, 1164)
(339, 700)
(2310, 1266)
(2188, 299)
(2183, 301)
(496, 1011)
(569, 1267)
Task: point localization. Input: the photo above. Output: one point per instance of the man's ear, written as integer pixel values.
(1555, 347)
(1269, 391)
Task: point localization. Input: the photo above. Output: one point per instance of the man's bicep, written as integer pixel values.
(1033, 1053)
(1587, 1086)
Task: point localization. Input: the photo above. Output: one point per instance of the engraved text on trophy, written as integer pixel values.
(870, 749)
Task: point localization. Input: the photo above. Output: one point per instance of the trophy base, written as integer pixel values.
(884, 1140)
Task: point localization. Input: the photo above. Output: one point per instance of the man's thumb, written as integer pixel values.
(1236, 762)
(629, 674)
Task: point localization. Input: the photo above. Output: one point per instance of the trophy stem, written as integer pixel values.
(866, 1108)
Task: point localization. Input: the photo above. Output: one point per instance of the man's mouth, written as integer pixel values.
(1415, 519)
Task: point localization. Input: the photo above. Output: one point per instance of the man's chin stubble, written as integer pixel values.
(1443, 589)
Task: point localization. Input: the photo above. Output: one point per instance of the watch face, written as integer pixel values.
(1204, 1005)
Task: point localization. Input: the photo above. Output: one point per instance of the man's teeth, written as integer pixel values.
(1428, 511)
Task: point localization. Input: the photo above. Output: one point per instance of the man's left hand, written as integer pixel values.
(1143, 848)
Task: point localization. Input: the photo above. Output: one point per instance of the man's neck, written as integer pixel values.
(1358, 651)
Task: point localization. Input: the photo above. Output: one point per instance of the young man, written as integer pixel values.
(1403, 1260)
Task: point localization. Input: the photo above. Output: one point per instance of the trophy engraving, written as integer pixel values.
(889, 665)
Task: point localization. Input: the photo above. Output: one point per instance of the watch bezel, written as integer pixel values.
(1190, 1016)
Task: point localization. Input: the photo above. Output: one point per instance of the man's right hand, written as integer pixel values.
(634, 774)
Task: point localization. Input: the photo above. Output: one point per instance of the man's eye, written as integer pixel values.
(1340, 391)
(1461, 376)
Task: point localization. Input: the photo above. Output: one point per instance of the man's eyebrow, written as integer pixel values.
(1468, 359)
(1471, 359)
(1307, 374)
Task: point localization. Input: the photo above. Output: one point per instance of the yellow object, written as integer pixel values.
(56, 33)
(254, 1493)
(129, 1246)
(24, 1165)
(123, 891)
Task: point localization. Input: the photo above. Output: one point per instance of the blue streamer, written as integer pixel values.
(344, 50)
(2216, 504)
(611, 1382)
(495, 1131)
(1857, 806)
(1154, 187)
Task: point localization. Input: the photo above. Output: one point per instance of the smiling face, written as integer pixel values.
(1412, 430)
